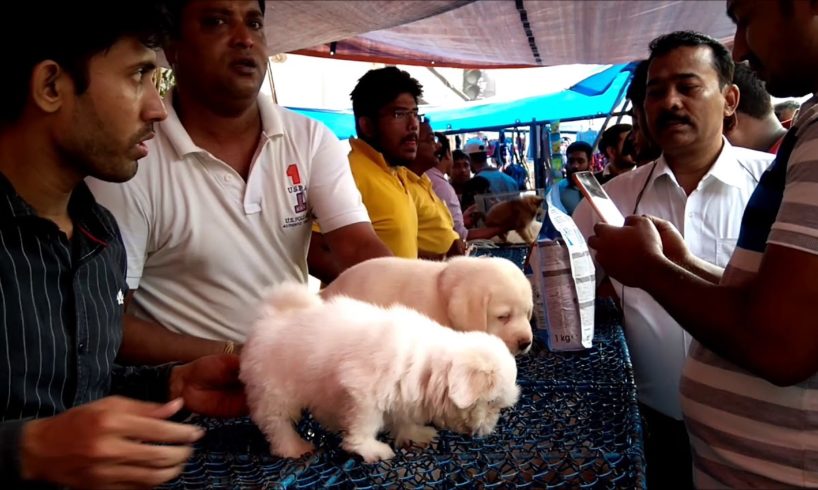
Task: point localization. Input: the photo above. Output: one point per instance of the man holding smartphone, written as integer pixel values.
(749, 383)
(699, 183)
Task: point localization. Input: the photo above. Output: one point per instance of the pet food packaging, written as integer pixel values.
(562, 278)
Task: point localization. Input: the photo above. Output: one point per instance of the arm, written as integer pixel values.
(766, 326)
(355, 243)
(146, 342)
(116, 442)
(675, 249)
(320, 261)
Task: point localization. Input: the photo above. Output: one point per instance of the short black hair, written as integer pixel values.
(753, 97)
(460, 155)
(580, 146)
(638, 86)
(722, 59)
(610, 137)
(70, 34)
(783, 106)
(175, 8)
(377, 88)
(445, 147)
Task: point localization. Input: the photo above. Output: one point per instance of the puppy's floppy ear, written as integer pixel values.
(466, 297)
(470, 378)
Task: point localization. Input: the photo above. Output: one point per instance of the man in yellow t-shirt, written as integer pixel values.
(384, 103)
(436, 234)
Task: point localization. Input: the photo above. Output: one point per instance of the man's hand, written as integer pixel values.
(458, 248)
(210, 386)
(624, 252)
(673, 244)
(108, 444)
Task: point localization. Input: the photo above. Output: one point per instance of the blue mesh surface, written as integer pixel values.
(576, 426)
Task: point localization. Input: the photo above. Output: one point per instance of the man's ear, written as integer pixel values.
(731, 97)
(730, 123)
(49, 86)
(367, 127)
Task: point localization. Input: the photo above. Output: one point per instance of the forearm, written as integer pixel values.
(10, 439)
(725, 320)
(320, 261)
(147, 343)
(703, 269)
(351, 254)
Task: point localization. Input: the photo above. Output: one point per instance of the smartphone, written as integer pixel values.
(598, 198)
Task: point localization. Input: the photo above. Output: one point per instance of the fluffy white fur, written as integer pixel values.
(484, 294)
(359, 368)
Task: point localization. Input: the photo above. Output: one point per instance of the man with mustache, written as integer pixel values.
(437, 237)
(385, 105)
(749, 383)
(699, 184)
(578, 156)
(222, 206)
(78, 99)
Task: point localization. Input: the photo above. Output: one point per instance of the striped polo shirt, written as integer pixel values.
(746, 432)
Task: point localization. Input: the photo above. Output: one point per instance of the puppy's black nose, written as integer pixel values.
(523, 345)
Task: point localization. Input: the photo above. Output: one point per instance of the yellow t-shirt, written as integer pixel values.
(391, 208)
(435, 224)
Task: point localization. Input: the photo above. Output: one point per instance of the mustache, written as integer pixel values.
(146, 132)
(668, 118)
(411, 137)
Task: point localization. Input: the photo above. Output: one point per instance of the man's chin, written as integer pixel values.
(121, 173)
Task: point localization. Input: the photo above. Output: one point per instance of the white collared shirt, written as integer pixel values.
(203, 244)
(709, 219)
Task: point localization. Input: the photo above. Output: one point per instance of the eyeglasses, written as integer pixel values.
(404, 115)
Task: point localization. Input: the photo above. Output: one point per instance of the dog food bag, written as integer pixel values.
(562, 277)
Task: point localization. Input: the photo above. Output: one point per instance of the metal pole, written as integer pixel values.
(617, 101)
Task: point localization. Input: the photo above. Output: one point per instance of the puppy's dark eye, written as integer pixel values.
(504, 318)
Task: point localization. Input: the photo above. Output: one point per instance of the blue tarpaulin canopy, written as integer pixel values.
(594, 96)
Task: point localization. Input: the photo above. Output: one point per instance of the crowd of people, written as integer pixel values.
(127, 288)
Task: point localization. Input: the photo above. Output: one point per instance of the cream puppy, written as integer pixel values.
(359, 368)
(465, 293)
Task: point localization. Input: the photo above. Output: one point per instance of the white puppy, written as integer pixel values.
(359, 368)
(465, 293)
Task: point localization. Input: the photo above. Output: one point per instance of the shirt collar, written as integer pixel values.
(271, 125)
(726, 169)
(436, 172)
(82, 207)
(360, 146)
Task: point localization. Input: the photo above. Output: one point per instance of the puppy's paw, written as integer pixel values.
(419, 435)
(292, 449)
(372, 451)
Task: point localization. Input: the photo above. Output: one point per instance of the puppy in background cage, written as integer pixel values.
(517, 215)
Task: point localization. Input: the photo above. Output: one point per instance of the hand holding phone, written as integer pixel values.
(598, 198)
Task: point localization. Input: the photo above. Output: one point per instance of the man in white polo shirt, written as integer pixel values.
(700, 183)
(222, 207)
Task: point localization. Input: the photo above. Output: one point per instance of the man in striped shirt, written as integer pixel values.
(78, 99)
(749, 387)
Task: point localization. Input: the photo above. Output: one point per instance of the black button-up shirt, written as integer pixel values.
(61, 307)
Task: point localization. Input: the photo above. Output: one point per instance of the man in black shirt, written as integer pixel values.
(77, 99)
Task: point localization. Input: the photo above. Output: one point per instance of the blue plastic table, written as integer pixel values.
(576, 426)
